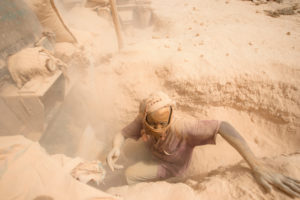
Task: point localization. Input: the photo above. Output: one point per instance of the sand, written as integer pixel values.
(223, 60)
(218, 59)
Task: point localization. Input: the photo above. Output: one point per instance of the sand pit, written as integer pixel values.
(218, 59)
(231, 182)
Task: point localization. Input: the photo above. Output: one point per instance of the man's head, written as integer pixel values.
(157, 112)
(159, 118)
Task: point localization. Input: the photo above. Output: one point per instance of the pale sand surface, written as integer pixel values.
(217, 59)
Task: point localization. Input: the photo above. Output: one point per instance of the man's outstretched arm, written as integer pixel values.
(264, 175)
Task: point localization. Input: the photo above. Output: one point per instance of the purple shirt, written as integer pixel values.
(175, 152)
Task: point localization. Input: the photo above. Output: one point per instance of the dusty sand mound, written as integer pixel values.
(222, 60)
(233, 182)
(28, 172)
(265, 110)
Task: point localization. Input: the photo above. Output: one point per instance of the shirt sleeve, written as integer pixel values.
(133, 130)
(201, 132)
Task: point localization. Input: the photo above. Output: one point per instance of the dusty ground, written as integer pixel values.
(219, 59)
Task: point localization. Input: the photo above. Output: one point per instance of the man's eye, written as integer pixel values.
(164, 123)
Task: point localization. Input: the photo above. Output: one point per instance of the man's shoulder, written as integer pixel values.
(180, 118)
(181, 122)
(186, 123)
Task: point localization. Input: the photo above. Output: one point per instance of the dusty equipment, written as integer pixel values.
(27, 110)
(136, 12)
(124, 13)
(130, 12)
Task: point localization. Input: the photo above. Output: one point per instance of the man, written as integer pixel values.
(171, 140)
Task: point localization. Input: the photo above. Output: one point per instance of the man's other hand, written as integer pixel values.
(112, 158)
(267, 178)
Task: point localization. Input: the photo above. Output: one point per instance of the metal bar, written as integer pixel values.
(116, 23)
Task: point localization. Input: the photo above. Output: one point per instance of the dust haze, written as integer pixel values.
(230, 60)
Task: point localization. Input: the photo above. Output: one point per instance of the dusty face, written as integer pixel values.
(160, 118)
(157, 122)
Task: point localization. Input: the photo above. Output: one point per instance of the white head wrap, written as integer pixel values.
(155, 101)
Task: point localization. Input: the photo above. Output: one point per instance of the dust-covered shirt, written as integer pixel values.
(175, 151)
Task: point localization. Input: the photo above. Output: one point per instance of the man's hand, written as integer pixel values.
(264, 175)
(267, 178)
(114, 154)
(112, 158)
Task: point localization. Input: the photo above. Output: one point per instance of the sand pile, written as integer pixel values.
(223, 60)
(34, 174)
(231, 182)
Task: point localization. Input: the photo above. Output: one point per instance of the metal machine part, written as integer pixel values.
(28, 110)
(130, 12)
(135, 12)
